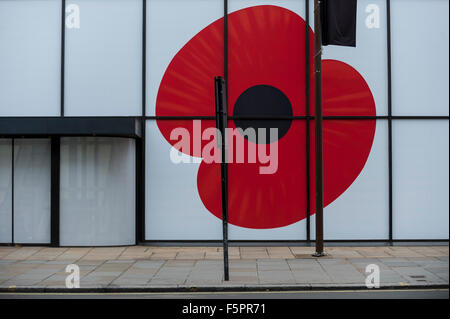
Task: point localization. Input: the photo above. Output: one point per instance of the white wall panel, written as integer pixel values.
(362, 211)
(32, 190)
(420, 179)
(30, 57)
(420, 57)
(178, 205)
(103, 75)
(5, 190)
(270, 206)
(174, 210)
(97, 200)
(293, 5)
(369, 57)
(170, 25)
(296, 231)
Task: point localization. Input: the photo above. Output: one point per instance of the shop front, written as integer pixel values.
(98, 99)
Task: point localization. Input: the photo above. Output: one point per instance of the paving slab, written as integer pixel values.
(163, 255)
(6, 250)
(274, 277)
(430, 251)
(416, 275)
(73, 253)
(22, 253)
(104, 253)
(280, 252)
(47, 253)
(402, 252)
(376, 252)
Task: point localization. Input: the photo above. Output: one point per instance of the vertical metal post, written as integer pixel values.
(55, 186)
(140, 221)
(224, 119)
(221, 122)
(63, 43)
(12, 190)
(318, 128)
(308, 137)
(389, 88)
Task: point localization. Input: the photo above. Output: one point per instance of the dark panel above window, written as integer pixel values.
(71, 126)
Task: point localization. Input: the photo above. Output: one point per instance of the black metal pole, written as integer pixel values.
(55, 187)
(318, 128)
(308, 124)
(221, 122)
(142, 142)
(12, 191)
(63, 44)
(389, 88)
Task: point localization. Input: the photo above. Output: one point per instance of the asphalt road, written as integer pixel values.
(323, 294)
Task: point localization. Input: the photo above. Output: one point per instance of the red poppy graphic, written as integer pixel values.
(266, 77)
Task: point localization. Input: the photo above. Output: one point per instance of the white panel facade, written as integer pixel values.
(5, 190)
(420, 179)
(362, 211)
(369, 57)
(174, 210)
(420, 57)
(103, 63)
(32, 191)
(30, 57)
(170, 25)
(97, 201)
(104, 75)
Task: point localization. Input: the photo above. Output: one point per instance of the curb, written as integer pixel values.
(195, 289)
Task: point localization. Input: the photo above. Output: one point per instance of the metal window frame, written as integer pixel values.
(54, 209)
(308, 118)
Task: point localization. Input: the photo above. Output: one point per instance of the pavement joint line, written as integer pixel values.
(93, 269)
(85, 254)
(17, 247)
(118, 257)
(49, 276)
(40, 248)
(123, 272)
(323, 269)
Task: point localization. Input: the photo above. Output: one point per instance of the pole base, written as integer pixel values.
(316, 254)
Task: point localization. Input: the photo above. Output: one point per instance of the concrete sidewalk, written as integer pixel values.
(149, 268)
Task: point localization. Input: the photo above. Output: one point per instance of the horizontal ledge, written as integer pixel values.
(300, 117)
(71, 126)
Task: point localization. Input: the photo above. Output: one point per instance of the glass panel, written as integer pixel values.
(357, 81)
(420, 51)
(356, 175)
(181, 191)
(104, 59)
(267, 71)
(30, 57)
(184, 189)
(267, 193)
(420, 179)
(97, 191)
(184, 54)
(5, 191)
(32, 159)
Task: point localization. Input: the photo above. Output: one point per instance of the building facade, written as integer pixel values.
(97, 98)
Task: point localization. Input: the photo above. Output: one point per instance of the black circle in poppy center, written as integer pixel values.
(263, 101)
